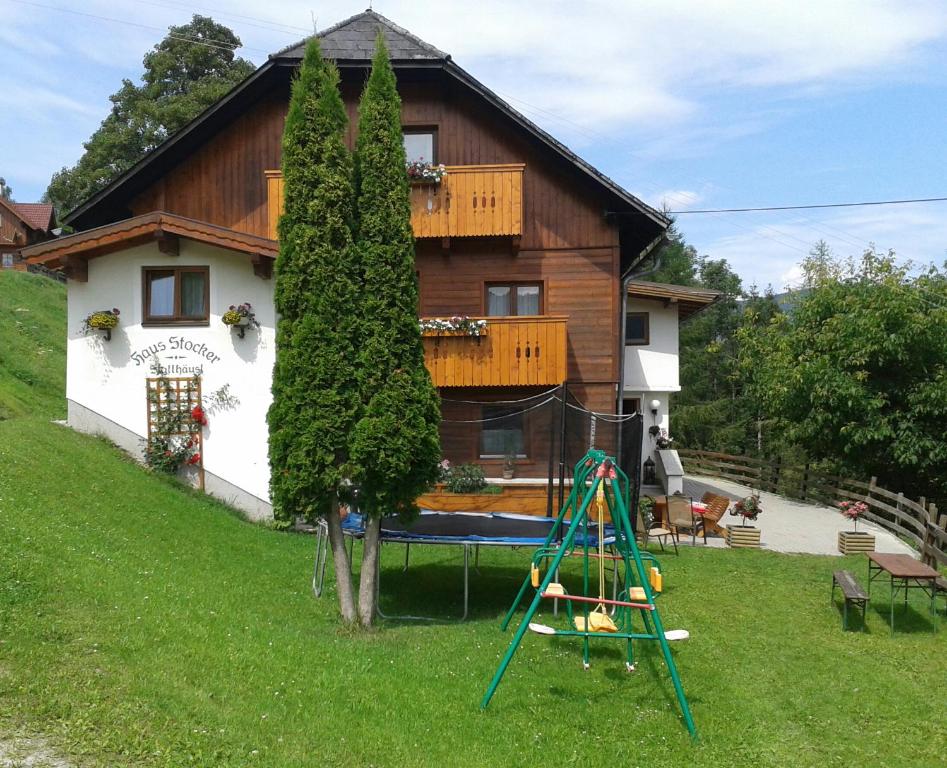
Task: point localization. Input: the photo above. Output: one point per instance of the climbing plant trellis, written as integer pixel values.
(171, 403)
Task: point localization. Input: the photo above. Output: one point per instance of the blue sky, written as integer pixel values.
(693, 103)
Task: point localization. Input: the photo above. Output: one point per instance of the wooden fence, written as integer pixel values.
(916, 522)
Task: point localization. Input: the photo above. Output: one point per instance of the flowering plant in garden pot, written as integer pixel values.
(748, 508)
(853, 510)
(241, 317)
(421, 172)
(101, 320)
(664, 442)
(460, 325)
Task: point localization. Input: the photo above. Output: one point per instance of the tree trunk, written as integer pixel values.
(368, 583)
(343, 568)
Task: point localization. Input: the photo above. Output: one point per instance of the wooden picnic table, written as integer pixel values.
(905, 574)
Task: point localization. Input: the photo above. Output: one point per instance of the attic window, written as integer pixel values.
(420, 144)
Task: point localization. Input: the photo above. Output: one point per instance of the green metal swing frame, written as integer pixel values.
(593, 471)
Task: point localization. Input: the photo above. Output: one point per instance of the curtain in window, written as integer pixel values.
(527, 300)
(192, 294)
(162, 294)
(498, 300)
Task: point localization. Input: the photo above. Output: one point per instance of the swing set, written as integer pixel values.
(637, 583)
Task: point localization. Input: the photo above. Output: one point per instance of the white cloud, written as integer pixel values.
(769, 247)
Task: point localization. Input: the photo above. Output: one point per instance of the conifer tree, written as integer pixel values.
(396, 445)
(315, 388)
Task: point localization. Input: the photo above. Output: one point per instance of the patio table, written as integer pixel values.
(905, 574)
(661, 507)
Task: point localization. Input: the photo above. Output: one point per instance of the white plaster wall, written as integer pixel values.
(108, 378)
(653, 367)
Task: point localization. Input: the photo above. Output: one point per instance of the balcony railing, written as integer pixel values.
(470, 201)
(512, 351)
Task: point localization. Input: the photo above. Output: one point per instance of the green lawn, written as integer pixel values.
(142, 624)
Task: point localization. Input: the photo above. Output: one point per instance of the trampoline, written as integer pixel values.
(464, 529)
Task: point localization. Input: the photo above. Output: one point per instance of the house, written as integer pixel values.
(521, 232)
(21, 225)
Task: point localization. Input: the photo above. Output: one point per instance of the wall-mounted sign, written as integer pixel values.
(182, 349)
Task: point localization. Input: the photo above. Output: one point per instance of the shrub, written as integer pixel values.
(466, 478)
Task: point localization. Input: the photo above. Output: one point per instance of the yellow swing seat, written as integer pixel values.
(598, 622)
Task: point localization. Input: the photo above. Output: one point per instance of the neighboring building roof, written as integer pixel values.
(142, 229)
(351, 42)
(36, 215)
(689, 300)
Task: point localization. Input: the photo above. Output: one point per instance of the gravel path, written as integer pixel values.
(793, 526)
(23, 752)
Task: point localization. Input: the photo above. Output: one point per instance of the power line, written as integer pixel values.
(817, 205)
(270, 26)
(217, 44)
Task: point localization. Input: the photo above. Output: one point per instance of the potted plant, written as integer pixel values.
(421, 172)
(745, 535)
(853, 541)
(240, 317)
(101, 320)
(664, 442)
(509, 458)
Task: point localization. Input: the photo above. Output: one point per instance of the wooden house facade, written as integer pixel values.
(520, 232)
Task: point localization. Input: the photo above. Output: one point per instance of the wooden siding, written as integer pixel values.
(580, 285)
(224, 181)
(512, 351)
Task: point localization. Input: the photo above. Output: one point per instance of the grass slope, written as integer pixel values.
(32, 345)
(143, 624)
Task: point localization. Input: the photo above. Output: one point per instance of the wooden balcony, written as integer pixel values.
(471, 201)
(512, 352)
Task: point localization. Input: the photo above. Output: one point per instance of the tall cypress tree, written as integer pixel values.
(315, 387)
(396, 445)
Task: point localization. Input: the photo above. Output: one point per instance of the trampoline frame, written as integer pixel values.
(322, 547)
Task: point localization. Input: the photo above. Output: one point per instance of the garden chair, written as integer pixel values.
(681, 517)
(717, 507)
(655, 531)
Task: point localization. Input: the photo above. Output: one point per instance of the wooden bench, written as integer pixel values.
(852, 591)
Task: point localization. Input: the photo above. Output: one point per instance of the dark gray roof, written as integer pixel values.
(354, 39)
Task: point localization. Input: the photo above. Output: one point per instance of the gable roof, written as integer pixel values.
(354, 40)
(36, 215)
(689, 300)
(142, 229)
(351, 43)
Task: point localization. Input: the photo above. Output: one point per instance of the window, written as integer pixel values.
(514, 299)
(637, 329)
(176, 296)
(502, 433)
(420, 144)
(8, 260)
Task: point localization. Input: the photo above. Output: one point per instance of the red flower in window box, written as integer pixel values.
(198, 415)
(195, 459)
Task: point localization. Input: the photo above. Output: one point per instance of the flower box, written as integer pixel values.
(852, 542)
(744, 536)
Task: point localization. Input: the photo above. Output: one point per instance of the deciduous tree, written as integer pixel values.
(188, 71)
(856, 371)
